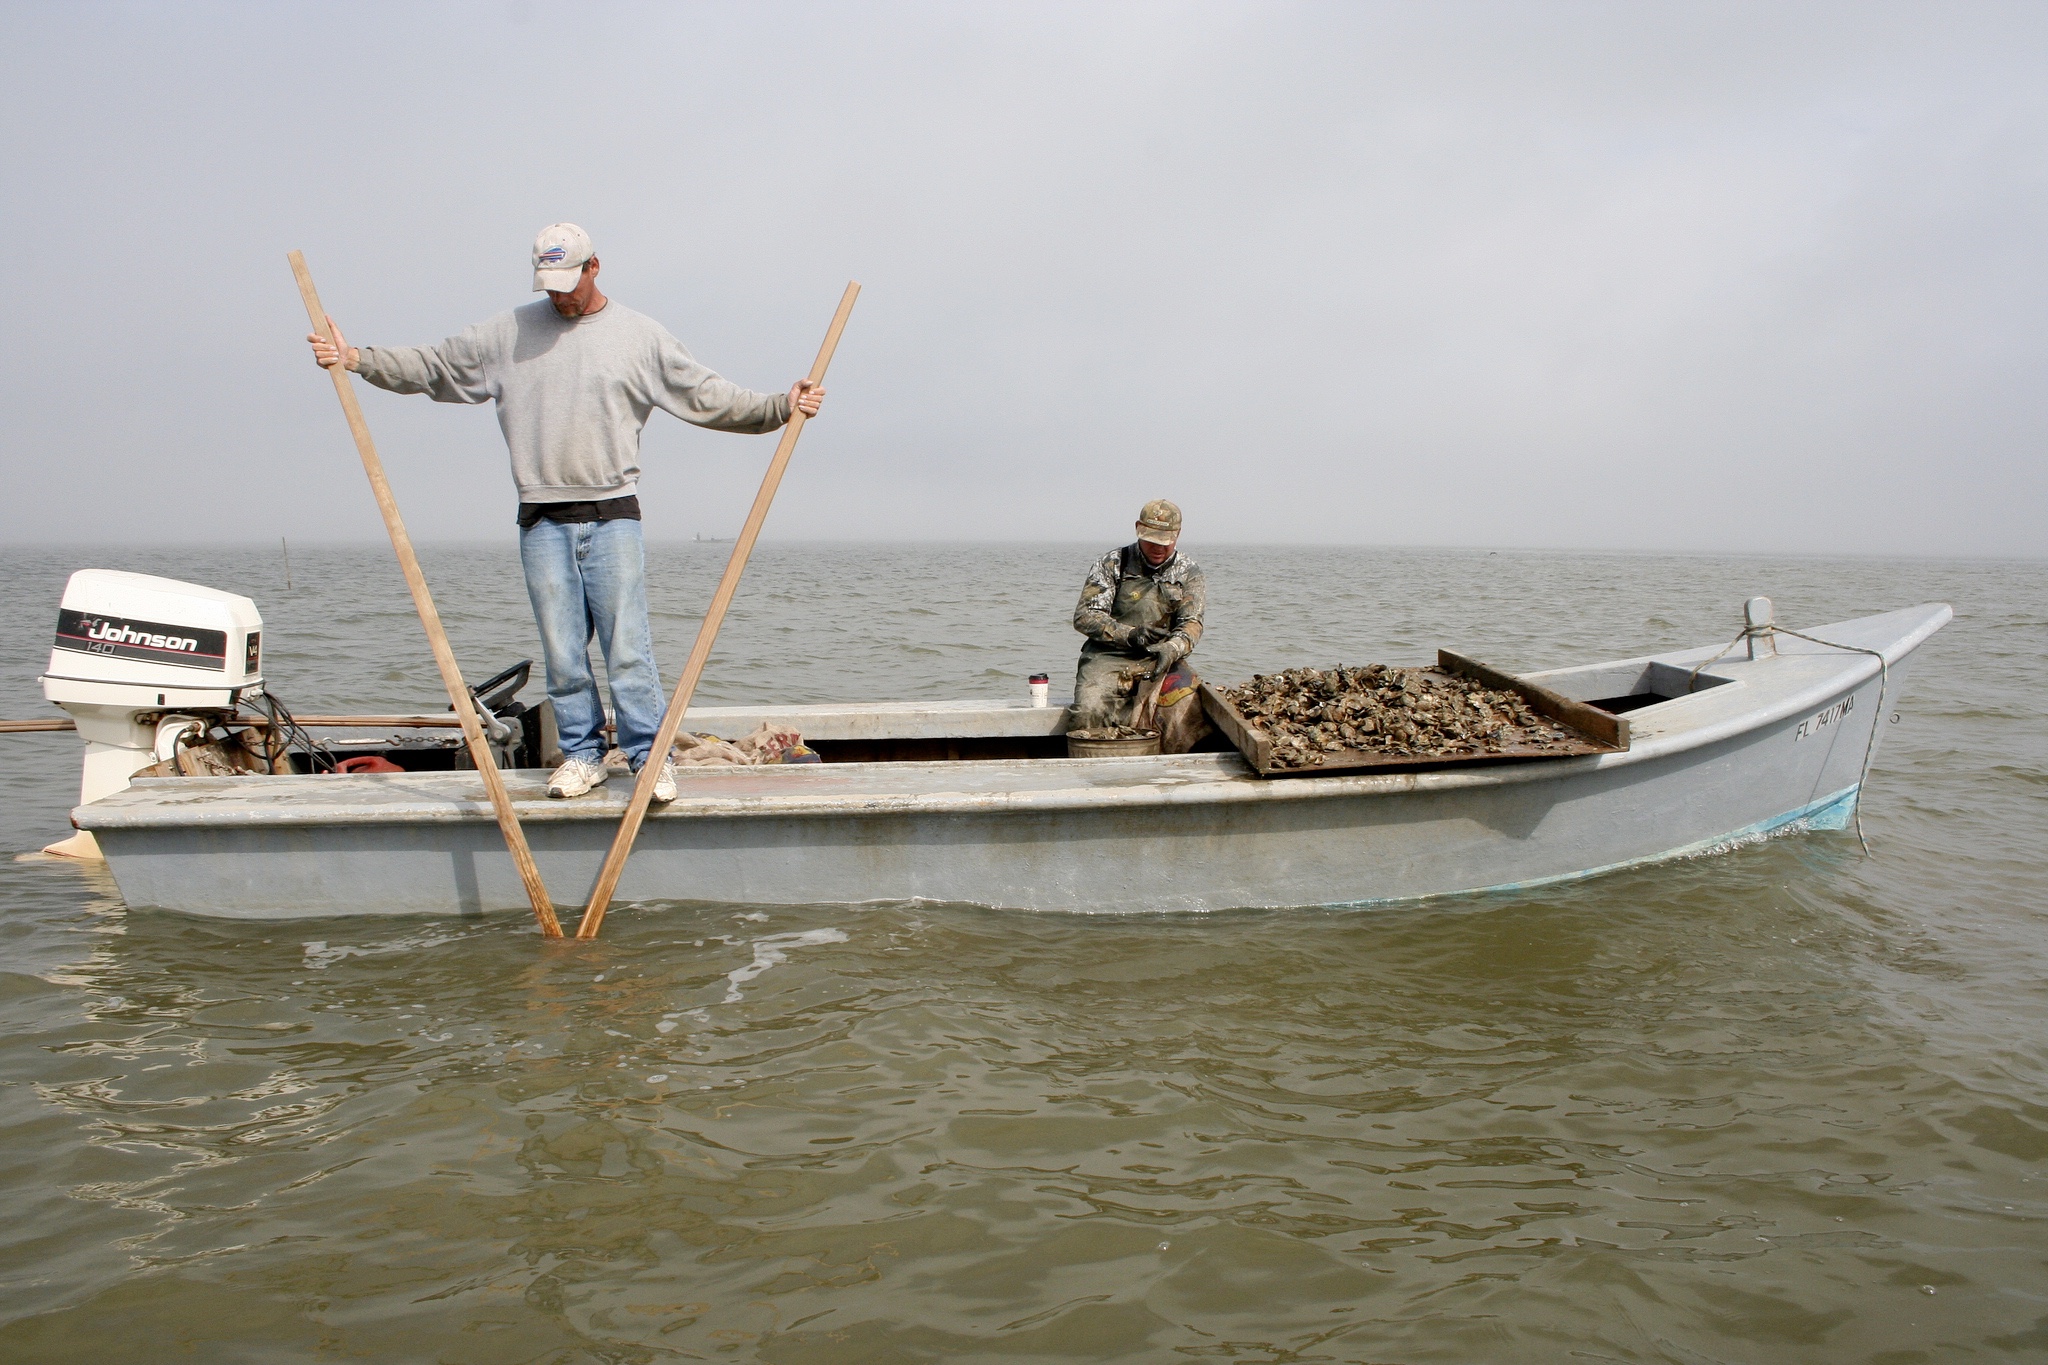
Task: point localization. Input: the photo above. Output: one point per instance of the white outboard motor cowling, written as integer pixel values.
(135, 654)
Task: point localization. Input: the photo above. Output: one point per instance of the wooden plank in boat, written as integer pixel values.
(1602, 726)
(1249, 739)
(1590, 730)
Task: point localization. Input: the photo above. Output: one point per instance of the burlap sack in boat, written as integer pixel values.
(769, 743)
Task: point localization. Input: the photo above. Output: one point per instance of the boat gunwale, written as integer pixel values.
(1235, 784)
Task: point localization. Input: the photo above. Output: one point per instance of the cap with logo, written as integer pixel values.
(558, 256)
(1159, 522)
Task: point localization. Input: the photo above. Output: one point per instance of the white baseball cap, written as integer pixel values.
(558, 256)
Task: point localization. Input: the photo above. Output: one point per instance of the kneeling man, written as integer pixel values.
(1141, 610)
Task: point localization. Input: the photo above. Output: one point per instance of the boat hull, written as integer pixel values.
(1186, 833)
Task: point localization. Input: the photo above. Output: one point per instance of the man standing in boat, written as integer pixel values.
(575, 379)
(1141, 609)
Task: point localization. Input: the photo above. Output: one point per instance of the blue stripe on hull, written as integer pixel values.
(1829, 813)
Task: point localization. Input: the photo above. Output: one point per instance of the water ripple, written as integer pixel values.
(1776, 1105)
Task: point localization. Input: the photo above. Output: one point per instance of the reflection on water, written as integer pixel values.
(1780, 1105)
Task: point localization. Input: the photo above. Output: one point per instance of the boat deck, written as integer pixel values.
(1733, 694)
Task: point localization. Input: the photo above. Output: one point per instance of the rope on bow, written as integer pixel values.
(1884, 678)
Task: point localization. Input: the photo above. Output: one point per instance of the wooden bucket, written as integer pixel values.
(1142, 747)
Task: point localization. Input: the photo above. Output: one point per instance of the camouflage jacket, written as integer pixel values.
(1124, 594)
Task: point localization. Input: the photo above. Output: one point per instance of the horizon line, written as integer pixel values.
(1680, 552)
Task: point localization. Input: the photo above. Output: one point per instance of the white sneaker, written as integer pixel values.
(665, 782)
(576, 777)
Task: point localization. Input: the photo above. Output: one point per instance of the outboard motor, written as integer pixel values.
(138, 661)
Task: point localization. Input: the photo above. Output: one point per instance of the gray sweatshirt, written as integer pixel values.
(573, 393)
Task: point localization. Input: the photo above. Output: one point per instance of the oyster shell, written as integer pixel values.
(1113, 732)
(1423, 713)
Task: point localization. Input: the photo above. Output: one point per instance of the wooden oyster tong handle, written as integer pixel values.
(444, 656)
(707, 633)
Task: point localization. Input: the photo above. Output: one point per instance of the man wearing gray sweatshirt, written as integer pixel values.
(575, 379)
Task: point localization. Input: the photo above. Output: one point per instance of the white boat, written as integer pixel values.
(960, 802)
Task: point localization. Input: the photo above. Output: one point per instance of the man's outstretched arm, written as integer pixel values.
(452, 372)
(685, 387)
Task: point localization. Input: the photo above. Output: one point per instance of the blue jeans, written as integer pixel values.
(588, 580)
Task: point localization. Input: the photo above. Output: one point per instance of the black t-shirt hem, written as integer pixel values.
(604, 509)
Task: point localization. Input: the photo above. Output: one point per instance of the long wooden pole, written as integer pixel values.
(707, 633)
(437, 638)
(435, 722)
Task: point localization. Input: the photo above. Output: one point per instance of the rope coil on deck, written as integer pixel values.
(1884, 678)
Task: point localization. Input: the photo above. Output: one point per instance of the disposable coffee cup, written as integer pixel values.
(1041, 689)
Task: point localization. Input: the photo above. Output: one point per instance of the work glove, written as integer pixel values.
(1169, 652)
(1145, 637)
(1131, 637)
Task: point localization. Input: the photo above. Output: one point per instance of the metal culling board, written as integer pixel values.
(1589, 730)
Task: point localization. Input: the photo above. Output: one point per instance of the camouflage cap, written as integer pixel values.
(1159, 522)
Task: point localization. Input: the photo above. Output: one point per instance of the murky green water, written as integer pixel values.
(1780, 1105)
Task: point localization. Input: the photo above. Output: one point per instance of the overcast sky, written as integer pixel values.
(1740, 276)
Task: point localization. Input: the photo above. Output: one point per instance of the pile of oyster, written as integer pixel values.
(1310, 713)
(1113, 732)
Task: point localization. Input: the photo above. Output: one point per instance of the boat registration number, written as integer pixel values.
(1832, 716)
